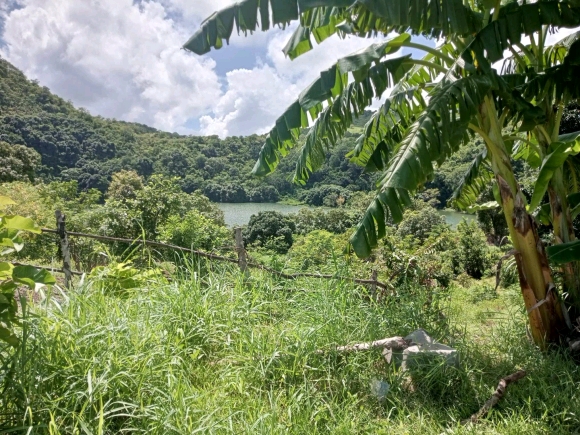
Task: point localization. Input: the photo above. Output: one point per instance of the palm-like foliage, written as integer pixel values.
(435, 104)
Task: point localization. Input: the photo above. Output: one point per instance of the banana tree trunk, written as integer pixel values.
(564, 233)
(547, 322)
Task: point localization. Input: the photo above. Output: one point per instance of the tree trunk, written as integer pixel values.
(564, 233)
(547, 323)
(544, 308)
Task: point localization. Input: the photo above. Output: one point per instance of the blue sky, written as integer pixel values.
(123, 59)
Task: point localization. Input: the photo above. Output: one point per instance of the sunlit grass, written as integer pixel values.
(215, 352)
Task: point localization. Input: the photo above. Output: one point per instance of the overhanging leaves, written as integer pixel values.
(335, 119)
(516, 20)
(330, 85)
(432, 138)
(388, 124)
(323, 18)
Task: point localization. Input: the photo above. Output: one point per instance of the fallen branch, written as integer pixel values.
(496, 396)
(394, 343)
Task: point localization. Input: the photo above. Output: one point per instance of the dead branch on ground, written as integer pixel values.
(394, 343)
(496, 396)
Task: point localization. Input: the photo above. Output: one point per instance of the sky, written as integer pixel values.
(123, 59)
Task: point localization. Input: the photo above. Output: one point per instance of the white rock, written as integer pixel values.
(423, 350)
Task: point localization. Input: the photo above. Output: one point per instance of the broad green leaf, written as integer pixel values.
(32, 277)
(564, 253)
(569, 137)
(337, 117)
(10, 240)
(323, 18)
(528, 151)
(552, 162)
(436, 134)
(4, 201)
(20, 223)
(330, 87)
(544, 212)
(8, 336)
(574, 204)
(5, 270)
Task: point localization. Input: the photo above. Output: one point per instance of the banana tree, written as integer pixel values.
(432, 106)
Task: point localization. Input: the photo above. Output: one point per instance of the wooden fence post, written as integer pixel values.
(241, 250)
(64, 249)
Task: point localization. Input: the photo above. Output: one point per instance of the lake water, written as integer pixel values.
(239, 214)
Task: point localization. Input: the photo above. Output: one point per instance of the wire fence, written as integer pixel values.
(242, 256)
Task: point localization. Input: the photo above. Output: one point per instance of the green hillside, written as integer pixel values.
(75, 145)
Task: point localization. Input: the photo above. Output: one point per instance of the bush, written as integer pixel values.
(124, 185)
(195, 231)
(316, 249)
(335, 221)
(271, 230)
(264, 194)
(419, 223)
(119, 279)
(472, 253)
(329, 195)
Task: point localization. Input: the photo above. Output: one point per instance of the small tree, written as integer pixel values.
(124, 186)
(271, 230)
(17, 163)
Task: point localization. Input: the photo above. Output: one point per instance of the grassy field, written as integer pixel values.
(221, 354)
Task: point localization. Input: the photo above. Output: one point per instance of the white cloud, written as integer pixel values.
(122, 59)
(256, 98)
(116, 58)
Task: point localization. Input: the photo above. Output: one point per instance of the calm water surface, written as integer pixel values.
(239, 214)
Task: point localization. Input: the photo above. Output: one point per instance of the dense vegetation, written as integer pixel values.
(154, 342)
(72, 145)
(76, 146)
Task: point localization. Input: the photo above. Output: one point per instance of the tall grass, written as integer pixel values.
(215, 352)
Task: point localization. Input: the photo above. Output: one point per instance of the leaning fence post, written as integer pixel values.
(241, 250)
(64, 249)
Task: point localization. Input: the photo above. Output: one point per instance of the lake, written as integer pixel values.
(239, 214)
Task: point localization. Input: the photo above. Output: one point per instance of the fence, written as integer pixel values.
(242, 256)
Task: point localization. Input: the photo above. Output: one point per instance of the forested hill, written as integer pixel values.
(75, 145)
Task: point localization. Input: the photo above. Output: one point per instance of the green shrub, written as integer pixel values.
(120, 278)
(419, 222)
(337, 221)
(328, 195)
(271, 230)
(195, 231)
(316, 250)
(12, 277)
(472, 252)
